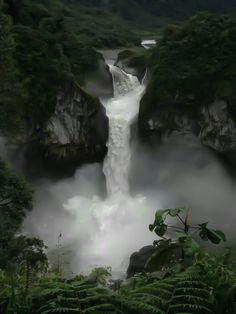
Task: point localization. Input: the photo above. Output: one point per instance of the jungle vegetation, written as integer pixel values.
(47, 45)
(194, 65)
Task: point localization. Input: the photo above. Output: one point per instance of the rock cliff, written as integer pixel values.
(212, 125)
(191, 89)
(76, 133)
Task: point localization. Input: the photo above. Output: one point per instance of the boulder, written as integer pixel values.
(99, 83)
(133, 62)
(162, 255)
(138, 260)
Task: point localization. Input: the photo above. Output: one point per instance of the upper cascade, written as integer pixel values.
(121, 110)
(122, 81)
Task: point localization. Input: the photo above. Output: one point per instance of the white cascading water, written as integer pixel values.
(121, 110)
(97, 231)
(120, 216)
(122, 81)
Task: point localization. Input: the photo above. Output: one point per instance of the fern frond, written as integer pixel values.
(61, 310)
(194, 308)
(184, 293)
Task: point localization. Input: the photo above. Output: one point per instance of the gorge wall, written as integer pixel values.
(76, 133)
(191, 89)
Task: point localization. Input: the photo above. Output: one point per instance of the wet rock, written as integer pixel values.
(99, 83)
(162, 256)
(133, 62)
(76, 133)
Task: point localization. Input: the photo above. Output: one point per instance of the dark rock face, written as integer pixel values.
(76, 133)
(139, 259)
(213, 125)
(132, 62)
(162, 255)
(100, 83)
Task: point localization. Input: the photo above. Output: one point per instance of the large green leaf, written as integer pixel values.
(160, 216)
(203, 231)
(213, 236)
(151, 227)
(176, 211)
(221, 234)
(161, 230)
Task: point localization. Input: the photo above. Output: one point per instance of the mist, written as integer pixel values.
(187, 175)
(93, 225)
(105, 231)
(98, 231)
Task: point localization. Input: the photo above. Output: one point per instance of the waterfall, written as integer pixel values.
(101, 231)
(121, 110)
(122, 81)
(95, 229)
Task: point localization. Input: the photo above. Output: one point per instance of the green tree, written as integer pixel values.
(15, 201)
(28, 256)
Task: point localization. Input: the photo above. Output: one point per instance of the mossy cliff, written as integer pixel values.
(192, 90)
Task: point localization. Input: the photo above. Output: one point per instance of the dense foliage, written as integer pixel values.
(50, 45)
(15, 201)
(45, 56)
(45, 47)
(12, 93)
(156, 12)
(92, 25)
(193, 64)
(206, 285)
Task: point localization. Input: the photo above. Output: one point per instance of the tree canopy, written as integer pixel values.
(194, 63)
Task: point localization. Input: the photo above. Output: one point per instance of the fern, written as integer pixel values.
(78, 296)
(184, 293)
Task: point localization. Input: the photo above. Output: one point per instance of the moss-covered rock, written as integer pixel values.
(133, 61)
(99, 82)
(151, 258)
